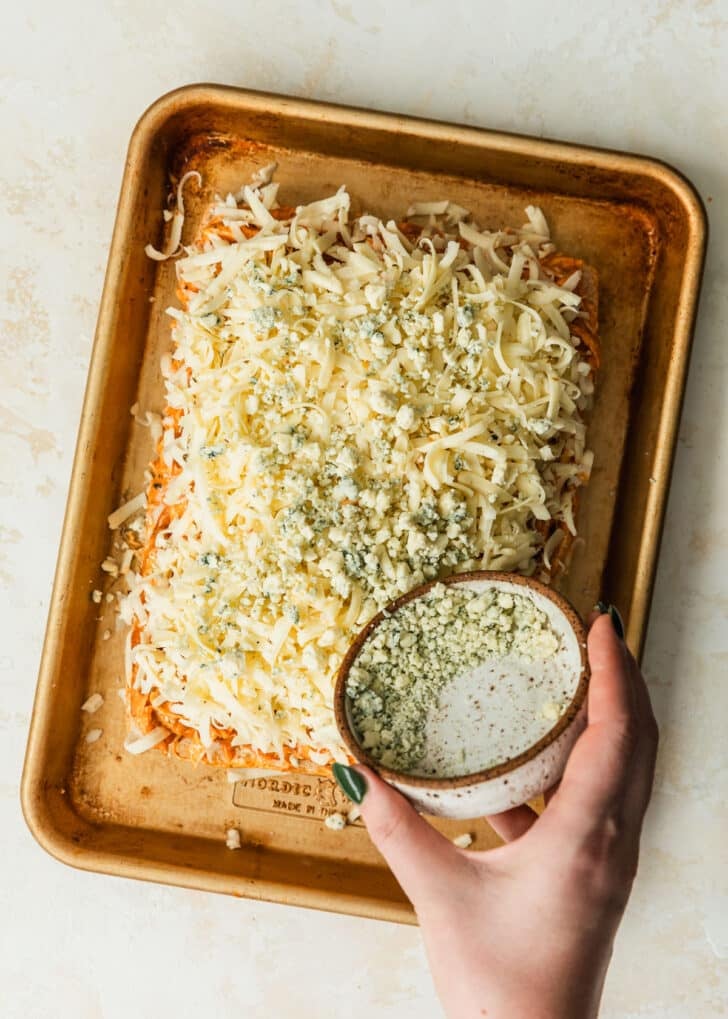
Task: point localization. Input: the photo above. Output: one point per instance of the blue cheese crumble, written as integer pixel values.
(405, 666)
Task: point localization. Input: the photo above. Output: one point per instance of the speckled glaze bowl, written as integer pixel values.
(528, 767)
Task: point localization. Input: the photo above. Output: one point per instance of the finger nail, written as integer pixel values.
(617, 622)
(351, 783)
(613, 612)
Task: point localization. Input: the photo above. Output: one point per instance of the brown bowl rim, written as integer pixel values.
(496, 770)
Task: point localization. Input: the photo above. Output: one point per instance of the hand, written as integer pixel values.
(525, 931)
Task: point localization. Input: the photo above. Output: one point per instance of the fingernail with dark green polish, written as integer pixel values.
(349, 781)
(613, 612)
(616, 621)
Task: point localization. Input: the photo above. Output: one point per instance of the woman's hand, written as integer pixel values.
(525, 931)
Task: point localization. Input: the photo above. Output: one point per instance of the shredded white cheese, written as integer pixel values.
(177, 219)
(350, 414)
(140, 744)
(128, 509)
(93, 735)
(463, 841)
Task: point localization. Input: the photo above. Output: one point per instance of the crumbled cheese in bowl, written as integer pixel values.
(461, 678)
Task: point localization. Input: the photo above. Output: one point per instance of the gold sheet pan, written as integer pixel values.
(636, 220)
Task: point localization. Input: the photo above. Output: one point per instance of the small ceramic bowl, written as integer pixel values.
(534, 743)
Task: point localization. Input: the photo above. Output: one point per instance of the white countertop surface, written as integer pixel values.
(75, 77)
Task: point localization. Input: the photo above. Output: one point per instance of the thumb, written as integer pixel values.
(417, 854)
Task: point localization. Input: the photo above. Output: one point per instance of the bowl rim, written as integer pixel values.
(361, 756)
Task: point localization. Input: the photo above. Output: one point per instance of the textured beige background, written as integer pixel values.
(73, 79)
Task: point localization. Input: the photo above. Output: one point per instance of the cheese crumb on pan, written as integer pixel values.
(354, 406)
(93, 703)
(463, 841)
(232, 838)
